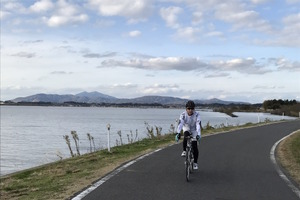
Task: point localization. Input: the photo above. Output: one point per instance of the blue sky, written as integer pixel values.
(239, 50)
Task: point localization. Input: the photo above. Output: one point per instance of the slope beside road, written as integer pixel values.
(235, 165)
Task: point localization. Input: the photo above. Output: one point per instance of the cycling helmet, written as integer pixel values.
(190, 104)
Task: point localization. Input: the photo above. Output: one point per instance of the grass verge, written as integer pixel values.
(289, 156)
(62, 179)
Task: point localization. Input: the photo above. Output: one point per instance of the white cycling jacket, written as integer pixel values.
(190, 123)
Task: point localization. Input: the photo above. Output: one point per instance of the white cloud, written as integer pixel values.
(9, 92)
(59, 20)
(248, 65)
(42, 6)
(105, 23)
(260, 1)
(266, 87)
(24, 55)
(292, 20)
(204, 14)
(98, 55)
(291, 31)
(292, 1)
(217, 75)
(284, 64)
(241, 65)
(60, 73)
(190, 34)
(288, 35)
(135, 33)
(197, 18)
(9, 8)
(134, 10)
(170, 15)
(13, 6)
(4, 14)
(214, 34)
(241, 18)
(158, 63)
(160, 89)
(65, 13)
(124, 86)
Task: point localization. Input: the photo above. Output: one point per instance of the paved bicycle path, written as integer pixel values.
(234, 165)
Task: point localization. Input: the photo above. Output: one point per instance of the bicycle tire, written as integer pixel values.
(187, 172)
(191, 162)
(187, 165)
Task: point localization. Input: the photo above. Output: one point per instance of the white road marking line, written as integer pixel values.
(110, 175)
(281, 174)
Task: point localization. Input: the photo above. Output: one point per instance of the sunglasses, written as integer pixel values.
(190, 108)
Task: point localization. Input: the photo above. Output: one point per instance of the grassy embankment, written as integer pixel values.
(289, 156)
(292, 110)
(230, 109)
(62, 179)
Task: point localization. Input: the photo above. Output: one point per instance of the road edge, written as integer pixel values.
(277, 167)
(92, 187)
(84, 192)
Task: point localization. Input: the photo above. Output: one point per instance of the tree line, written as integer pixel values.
(277, 104)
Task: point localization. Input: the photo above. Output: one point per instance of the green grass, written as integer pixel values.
(62, 179)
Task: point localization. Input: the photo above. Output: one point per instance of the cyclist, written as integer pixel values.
(190, 122)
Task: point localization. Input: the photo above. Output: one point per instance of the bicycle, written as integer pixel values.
(189, 158)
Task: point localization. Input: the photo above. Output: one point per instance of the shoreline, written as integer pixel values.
(221, 108)
(208, 133)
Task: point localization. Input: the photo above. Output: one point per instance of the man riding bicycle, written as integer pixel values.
(190, 122)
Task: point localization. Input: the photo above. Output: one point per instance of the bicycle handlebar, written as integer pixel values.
(192, 138)
(188, 137)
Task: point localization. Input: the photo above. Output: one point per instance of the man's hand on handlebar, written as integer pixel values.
(198, 138)
(177, 137)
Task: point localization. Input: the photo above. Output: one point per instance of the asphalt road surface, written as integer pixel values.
(234, 165)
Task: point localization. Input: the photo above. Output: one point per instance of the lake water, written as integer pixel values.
(32, 136)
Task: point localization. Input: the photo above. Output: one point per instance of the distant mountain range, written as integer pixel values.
(97, 97)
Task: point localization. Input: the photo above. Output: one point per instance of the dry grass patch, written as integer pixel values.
(62, 179)
(289, 156)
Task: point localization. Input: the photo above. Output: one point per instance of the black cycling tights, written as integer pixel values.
(194, 146)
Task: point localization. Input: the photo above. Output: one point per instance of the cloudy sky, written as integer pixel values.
(240, 50)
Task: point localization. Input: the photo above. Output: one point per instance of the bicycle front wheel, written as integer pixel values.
(192, 162)
(188, 165)
(187, 170)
